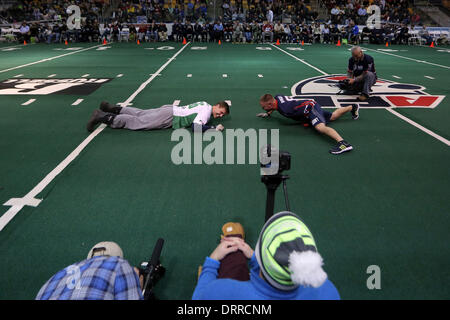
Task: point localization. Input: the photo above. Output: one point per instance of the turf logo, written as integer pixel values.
(71, 86)
(385, 94)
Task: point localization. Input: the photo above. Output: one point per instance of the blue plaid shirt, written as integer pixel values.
(99, 278)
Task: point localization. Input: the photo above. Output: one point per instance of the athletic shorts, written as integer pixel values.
(318, 115)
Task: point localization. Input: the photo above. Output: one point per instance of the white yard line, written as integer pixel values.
(396, 77)
(28, 102)
(224, 75)
(29, 199)
(301, 60)
(429, 77)
(189, 75)
(17, 45)
(119, 75)
(85, 75)
(51, 75)
(260, 76)
(77, 102)
(49, 59)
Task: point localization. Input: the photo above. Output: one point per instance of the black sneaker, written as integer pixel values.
(355, 111)
(99, 117)
(109, 108)
(342, 146)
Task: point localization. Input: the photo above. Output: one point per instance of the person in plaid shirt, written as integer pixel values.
(104, 275)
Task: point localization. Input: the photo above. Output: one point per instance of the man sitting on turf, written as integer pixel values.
(309, 111)
(193, 115)
(361, 73)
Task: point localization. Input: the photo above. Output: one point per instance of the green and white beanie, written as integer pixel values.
(287, 253)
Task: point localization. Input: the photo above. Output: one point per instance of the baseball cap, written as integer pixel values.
(105, 248)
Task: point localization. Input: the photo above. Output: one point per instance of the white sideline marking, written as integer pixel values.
(176, 103)
(85, 75)
(30, 196)
(429, 77)
(431, 133)
(415, 124)
(51, 75)
(260, 76)
(119, 75)
(18, 75)
(49, 59)
(396, 77)
(407, 58)
(77, 102)
(28, 102)
(189, 75)
(225, 75)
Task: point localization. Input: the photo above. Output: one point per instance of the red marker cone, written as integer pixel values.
(387, 44)
(24, 43)
(184, 41)
(104, 41)
(432, 45)
(303, 43)
(278, 42)
(138, 42)
(220, 42)
(65, 42)
(339, 43)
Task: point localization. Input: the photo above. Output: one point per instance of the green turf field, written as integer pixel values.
(386, 203)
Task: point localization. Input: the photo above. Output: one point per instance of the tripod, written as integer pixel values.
(272, 183)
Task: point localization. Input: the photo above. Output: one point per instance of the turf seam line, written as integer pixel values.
(29, 198)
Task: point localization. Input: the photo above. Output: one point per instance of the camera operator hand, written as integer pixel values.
(226, 246)
(245, 248)
(351, 80)
(141, 277)
(220, 127)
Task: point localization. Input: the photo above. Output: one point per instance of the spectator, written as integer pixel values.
(24, 32)
(267, 31)
(424, 34)
(290, 270)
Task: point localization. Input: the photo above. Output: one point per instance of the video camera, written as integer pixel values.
(152, 271)
(271, 175)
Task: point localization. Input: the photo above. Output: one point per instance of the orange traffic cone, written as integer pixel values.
(65, 42)
(387, 44)
(278, 42)
(24, 43)
(184, 41)
(104, 41)
(138, 42)
(303, 43)
(220, 42)
(432, 44)
(339, 43)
